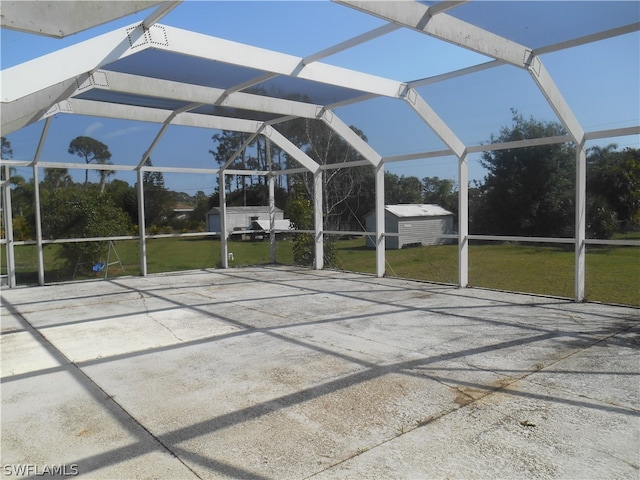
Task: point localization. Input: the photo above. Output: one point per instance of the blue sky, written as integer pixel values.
(599, 81)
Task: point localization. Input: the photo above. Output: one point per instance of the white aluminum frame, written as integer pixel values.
(28, 96)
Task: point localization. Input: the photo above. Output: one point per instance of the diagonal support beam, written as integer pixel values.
(286, 145)
(337, 125)
(159, 13)
(557, 102)
(352, 42)
(163, 129)
(431, 118)
(235, 155)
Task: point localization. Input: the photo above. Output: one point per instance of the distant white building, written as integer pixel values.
(242, 218)
(415, 224)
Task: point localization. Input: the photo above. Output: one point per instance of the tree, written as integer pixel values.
(528, 191)
(92, 151)
(197, 218)
(613, 184)
(56, 178)
(125, 197)
(72, 212)
(228, 143)
(401, 189)
(7, 152)
(157, 200)
(300, 212)
(253, 157)
(342, 187)
(23, 212)
(441, 192)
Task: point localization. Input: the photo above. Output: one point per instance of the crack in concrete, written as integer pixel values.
(150, 316)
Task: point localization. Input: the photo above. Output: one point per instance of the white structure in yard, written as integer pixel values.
(415, 224)
(242, 218)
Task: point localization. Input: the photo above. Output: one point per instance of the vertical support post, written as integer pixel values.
(380, 221)
(272, 205)
(8, 228)
(318, 223)
(39, 246)
(36, 194)
(463, 221)
(224, 258)
(581, 212)
(141, 223)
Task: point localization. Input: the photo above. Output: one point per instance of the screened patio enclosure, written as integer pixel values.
(428, 82)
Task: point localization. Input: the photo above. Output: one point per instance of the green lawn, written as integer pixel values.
(613, 273)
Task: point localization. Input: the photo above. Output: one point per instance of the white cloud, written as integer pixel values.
(93, 128)
(124, 131)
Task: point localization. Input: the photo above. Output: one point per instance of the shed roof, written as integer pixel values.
(417, 210)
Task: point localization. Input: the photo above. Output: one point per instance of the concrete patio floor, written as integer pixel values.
(285, 373)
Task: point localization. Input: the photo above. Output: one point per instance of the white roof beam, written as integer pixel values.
(289, 148)
(137, 85)
(212, 48)
(352, 42)
(351, 101)
(418, 156)
(431, 118)
(616, 132)
(529, 142)
(453, 74)
(89, 166)
(445, 5)
(417, 16)
(244, 85)
(155, 115)
(27, 78)
(337, 125)
(27, 94)
(31, 108)
(162, 130)
(160, 12)
(60, 18)
(555, 99)
(594, 37)
(235, 155)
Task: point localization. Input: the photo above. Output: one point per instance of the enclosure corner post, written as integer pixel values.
(318, 224)
(224, 258)
(272, 205)
(463, 222)
(141, 224)
(380, 221)
(8, 228)
(580, 234)
(39, 246)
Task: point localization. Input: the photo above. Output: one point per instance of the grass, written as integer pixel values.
(612, 273)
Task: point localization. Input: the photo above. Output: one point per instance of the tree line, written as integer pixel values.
(526, 191)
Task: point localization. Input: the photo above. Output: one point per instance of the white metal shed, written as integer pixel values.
(240, 217)
(414, 224)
